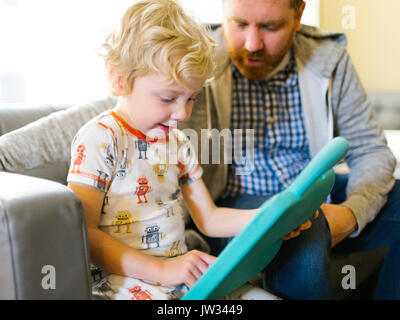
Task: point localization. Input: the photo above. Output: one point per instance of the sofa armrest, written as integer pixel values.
(41, 224)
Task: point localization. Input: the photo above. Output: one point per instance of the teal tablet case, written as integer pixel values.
(251, 250)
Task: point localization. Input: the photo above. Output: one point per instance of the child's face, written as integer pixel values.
(154, 107)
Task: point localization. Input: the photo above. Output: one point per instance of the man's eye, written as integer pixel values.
(240, 24)
(272, 28)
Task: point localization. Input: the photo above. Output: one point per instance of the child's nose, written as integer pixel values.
(181, 113)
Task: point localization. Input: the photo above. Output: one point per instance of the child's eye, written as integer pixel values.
(168, 100)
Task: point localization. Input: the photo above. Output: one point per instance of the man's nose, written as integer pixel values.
(254, 39)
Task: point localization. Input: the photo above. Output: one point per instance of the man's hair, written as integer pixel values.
(296, 4)
(158, 36)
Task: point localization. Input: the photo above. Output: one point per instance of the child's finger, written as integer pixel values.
(190, 280)
(201, 265)
(209, 259)
(196, 271)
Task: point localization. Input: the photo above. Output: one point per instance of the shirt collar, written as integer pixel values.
(135, 132)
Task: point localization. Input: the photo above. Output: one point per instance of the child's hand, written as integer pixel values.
(186, 269)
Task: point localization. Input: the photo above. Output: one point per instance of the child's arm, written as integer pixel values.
(114, 256)
(210, 219)
(221, 222)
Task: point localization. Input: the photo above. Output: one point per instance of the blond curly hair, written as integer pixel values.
(158, 36)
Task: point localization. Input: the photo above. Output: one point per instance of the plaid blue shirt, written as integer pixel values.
(273, 109)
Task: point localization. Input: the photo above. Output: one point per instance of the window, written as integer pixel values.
(49, 47)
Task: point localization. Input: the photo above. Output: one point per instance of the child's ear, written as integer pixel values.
(116, 82)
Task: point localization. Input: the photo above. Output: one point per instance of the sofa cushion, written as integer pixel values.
(14, 117)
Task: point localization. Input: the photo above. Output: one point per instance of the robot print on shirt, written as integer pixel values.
(153, 235)
(79, 158)
(142, 146)
(121, 172)
(109, 154)
(175, 195)
(142, 189)
(124, 218)
(167, 207)
(174, 250)
(160, 170)
(139, 294)
(100, 182)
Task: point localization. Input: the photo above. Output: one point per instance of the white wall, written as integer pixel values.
(48, 47)
(372, 29)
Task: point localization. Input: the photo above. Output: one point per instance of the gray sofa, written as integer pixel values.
(42, 224)
(43, 240)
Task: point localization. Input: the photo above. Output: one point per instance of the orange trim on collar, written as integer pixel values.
(137, 133)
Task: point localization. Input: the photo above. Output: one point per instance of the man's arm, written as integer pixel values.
(47, 140)
(370, 161)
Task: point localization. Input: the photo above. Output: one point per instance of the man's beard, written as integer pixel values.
(239, 58)
(268, 63)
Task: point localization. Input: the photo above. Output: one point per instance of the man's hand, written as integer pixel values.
(306, 225)
(341, 221)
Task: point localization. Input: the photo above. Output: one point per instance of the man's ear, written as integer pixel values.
(116, 82)
(299, 14)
